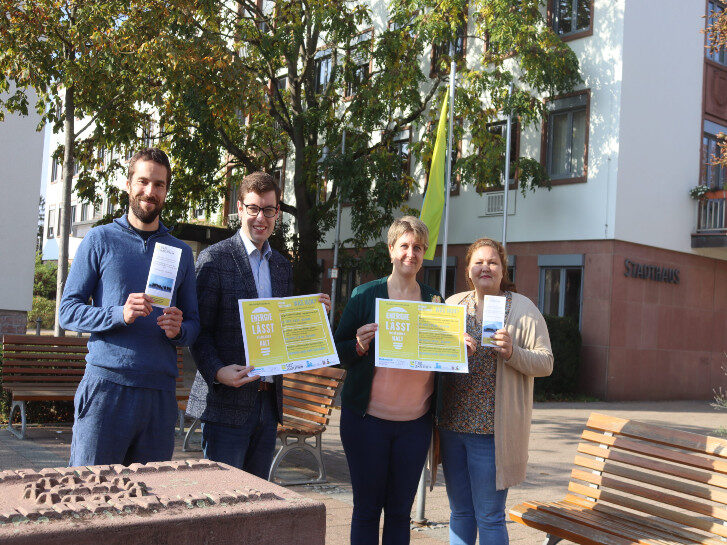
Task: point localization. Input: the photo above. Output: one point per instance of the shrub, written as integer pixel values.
(565, 339)
(44, 282)
(45, 309)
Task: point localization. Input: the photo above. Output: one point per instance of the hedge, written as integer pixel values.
(565, 339)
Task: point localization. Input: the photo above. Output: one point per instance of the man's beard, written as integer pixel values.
(145, 216)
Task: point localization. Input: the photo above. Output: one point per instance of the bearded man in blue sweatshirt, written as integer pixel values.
(125, 405)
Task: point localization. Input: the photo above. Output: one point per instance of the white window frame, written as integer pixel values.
(562, 262)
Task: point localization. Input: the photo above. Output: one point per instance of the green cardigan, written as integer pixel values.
(360, 310)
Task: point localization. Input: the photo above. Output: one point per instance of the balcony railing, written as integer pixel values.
(711, 216)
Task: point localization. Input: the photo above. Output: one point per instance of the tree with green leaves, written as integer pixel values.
(717, 40)
(78, 61)
(243, 85)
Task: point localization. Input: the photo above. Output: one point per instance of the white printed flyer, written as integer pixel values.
(493, 317)
(163, 274)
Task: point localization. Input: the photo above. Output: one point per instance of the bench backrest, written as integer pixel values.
(308, 396)
(57, 360)
(34, 358)
(678, 479)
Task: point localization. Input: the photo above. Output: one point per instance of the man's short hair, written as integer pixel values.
(258, 182)
(151, 154)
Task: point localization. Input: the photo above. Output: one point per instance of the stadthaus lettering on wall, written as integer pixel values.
(651, 272)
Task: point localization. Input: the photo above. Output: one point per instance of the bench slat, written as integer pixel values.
(314, 408)
(322, 400)
(658, 434)
(649, 493)
(699, 491)
(578, 533)
(17, 350)
(657, 452)
(669, 468)
(312, 379)
(73, 370)
(304, 416)
(612, 524)
(308, 388)
(650, 508)
(9, 340)
(658, 523)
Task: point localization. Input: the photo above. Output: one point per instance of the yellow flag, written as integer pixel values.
(434, 197)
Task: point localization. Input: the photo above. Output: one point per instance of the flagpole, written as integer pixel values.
(448, 175)
(337, 241)
(419, 517)
(507, 169)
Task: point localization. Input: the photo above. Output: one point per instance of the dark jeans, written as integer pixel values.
(385, 460)
(249, 447)
(115, 424)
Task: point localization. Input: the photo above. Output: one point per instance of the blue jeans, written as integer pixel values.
(249, 447)
(385, 459)
(116, 424)
(468, 460)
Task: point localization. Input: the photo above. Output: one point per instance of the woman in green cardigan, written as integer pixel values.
(386, 421)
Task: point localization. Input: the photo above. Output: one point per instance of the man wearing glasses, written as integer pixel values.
(239, 413)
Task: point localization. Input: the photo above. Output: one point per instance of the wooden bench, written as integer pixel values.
(37, 368)
(308, 399)
(638, 483)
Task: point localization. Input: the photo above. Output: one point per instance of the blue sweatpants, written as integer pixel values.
(117, 424)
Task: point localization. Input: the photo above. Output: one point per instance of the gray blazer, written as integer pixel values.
(224, 276)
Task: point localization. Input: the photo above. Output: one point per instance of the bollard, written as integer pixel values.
(37, 326)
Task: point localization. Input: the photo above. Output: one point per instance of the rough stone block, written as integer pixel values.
(204, 502)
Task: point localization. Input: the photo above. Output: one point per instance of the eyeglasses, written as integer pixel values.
(254, 210)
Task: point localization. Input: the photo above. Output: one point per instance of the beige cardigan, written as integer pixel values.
(531, 357)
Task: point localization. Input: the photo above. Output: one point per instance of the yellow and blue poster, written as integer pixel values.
(420, 336)
(286, 335)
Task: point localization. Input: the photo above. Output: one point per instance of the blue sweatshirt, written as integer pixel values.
(112, 262)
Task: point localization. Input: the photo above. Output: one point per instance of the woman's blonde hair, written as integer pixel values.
(409, 224)
(505, 284)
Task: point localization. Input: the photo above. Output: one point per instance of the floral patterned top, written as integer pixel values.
(468, 399)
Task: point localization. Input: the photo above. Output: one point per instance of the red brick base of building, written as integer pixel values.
(647, 334)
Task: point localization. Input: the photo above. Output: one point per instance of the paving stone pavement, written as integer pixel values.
(554, 436)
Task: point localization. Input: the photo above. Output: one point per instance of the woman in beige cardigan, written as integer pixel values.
(484, 418)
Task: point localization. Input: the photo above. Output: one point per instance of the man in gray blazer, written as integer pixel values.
(239, 413)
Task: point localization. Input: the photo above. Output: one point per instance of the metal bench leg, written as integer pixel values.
(551, 539)
(299, 443)
(188, 437)
(17, 405)
(180, 423)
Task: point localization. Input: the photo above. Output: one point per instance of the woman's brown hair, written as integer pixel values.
(505, 284)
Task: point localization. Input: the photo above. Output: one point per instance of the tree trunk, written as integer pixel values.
(65, 210)
(305, 269)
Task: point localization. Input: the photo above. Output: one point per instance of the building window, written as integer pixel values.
(499, 129)
(561, 282)
(433, 274)
(147, 136)
(511, 268)
(56, 170)
(718, 54)
(441, 51)
(566, 137)
(109, 206)
(73, 214)
(400, 146)
(84, 211)
(712, 175)
(571, 17)
(455, 178)
(199, 213)
(360, 61)
(348, 279)
(51, 223)
(324, 67)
